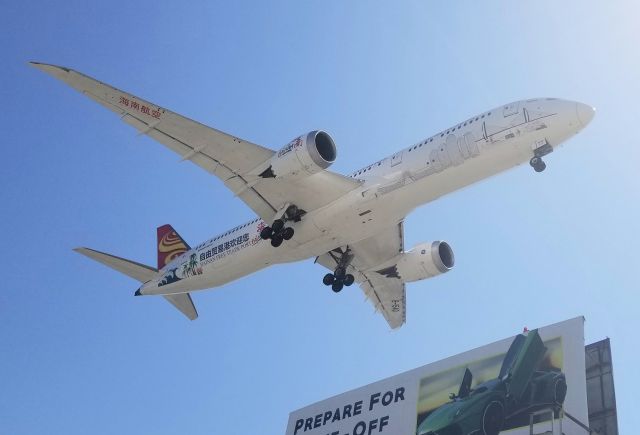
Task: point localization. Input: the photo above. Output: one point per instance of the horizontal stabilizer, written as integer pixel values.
(183, 302)
(137, 271)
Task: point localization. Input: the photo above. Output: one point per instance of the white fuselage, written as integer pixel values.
(391, 188)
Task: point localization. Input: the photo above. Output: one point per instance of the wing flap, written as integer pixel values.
(388, 296)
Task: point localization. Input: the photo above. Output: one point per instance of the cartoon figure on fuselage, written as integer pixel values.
(351, 224)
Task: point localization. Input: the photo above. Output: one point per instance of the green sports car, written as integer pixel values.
(518, 390)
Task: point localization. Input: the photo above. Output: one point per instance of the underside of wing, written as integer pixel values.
(388, 295)
(184, 304)
(135, 270)
(386, 291)
(227, 157)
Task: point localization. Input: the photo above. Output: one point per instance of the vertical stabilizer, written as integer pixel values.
(170, 245)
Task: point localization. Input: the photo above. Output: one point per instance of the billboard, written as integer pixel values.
(504, 387)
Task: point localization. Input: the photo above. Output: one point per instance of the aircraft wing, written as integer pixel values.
(385, 291)
(223, 155)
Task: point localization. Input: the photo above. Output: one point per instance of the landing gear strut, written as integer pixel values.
(277, 232)
(536, 161)
(340, 278)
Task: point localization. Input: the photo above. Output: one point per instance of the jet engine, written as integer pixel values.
(424, 260)
(303, 156)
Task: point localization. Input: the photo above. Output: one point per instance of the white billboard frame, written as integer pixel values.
(390, 406)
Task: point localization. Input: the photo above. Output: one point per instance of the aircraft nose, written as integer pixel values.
(585, 113)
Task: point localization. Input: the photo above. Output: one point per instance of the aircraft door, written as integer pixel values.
(472, 146)
(455, 154)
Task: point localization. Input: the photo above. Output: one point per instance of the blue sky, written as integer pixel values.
(78, 353)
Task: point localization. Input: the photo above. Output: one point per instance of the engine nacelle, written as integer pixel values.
(425, 260)
(303, 156)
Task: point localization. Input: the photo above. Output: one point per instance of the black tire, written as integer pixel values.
(278, 225)
(535, 161)
(349, 279)
(336, 286)
(276, 241)
(492, 418)
(328, 279)
(287, 233)
(540, 166)
(266, 233)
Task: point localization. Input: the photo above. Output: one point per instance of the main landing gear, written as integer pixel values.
(536, 161)
(340, 278)
(277, 232)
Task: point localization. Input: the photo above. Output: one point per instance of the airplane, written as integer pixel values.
(351, 224)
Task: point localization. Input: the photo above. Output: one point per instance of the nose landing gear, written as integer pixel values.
(340, 278)
(536, 161)
(538, 164)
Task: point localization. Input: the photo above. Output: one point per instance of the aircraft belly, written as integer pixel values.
(493, 159)
(357, 217)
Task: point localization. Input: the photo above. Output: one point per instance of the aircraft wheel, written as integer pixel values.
(336, 286)
(537, 164)
(349, 279)
(278, 225)
(328, 279)
(492, 418)
(287, 233)
(276, 241)
(266, 233)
